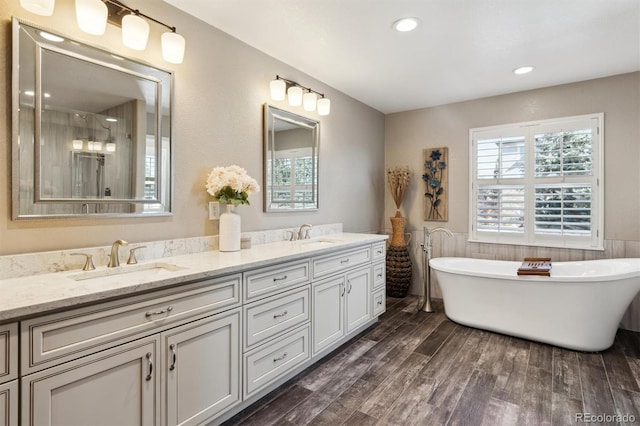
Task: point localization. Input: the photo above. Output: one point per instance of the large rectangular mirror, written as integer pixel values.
(290, 161)
(91, 130)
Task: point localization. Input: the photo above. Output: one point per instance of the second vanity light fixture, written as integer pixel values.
(299, 95)
(92, 17)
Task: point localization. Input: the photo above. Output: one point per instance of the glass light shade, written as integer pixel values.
(77, 143)
(172, 47)
(91, 16)
(90, 145)
(295, 96)
(39, 7)
(278, 90)
(324, 106)
(135, 32)
(309, 101)
(110, 147)
(97, 146)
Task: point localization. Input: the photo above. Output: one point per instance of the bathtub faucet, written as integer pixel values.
(425, 305)
(427, 238)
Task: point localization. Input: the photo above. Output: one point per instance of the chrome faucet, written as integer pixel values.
(302, 235)
(426, 257)
(114, 260)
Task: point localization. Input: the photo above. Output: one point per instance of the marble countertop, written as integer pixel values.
(37, 294)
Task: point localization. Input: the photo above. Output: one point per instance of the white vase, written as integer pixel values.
(229, 235)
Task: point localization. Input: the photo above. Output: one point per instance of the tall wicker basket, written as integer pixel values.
(398, 261)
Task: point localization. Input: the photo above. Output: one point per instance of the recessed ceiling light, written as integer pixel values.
(51, 37)
(523, 70)
(406, 24)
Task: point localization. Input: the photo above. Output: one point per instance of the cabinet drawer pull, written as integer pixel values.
(280, 315)
(380, 275)
(342, 262)
(379, 251)
(174, 357)
(164, 311)
(284, 355)
(149, 366)
(379, 302)
(279, 279)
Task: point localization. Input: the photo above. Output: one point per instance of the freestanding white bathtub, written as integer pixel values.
(579, 307)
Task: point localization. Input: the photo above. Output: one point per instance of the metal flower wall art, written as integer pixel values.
(436, 180)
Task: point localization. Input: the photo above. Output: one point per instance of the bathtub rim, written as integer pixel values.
(631, 269)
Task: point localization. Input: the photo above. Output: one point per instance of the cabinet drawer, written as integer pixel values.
(379, 275)
(55, 338)
(8, 352)
(266, 364)
(275, 315)
(340, 261)
(379, 302)
(274, 279)
(379, 251)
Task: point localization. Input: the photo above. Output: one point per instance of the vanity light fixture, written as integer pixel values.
(299, 95)
(135, 32)
(93, 15)
(523, 70)
(39, 7)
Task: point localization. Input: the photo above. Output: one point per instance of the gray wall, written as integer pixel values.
(219, 92)
(408, 133)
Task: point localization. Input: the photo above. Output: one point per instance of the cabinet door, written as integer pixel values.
(328, 312)
(202, 368)
(9, 403)
(115, 387)
(358, 298)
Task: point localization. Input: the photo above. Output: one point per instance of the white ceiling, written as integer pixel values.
(464, 49)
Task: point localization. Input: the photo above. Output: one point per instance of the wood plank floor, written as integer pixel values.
(414, 368)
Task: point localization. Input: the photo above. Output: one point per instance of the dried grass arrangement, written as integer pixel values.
(398, 179)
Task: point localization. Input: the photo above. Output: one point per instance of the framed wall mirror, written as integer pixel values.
(91, 130)
(291, 144)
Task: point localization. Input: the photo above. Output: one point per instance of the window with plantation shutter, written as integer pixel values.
(538, 183)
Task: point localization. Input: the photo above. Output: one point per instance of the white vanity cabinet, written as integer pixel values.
(379, 290)
(342, 295)
(277, 312)
(9, 374)
(118, 386)
(201, 369)
(192, 353)
(169, 357)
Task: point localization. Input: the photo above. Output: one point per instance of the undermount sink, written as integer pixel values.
(320, 241)
(148, 269)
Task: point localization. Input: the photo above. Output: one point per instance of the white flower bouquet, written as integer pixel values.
(231, 185)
